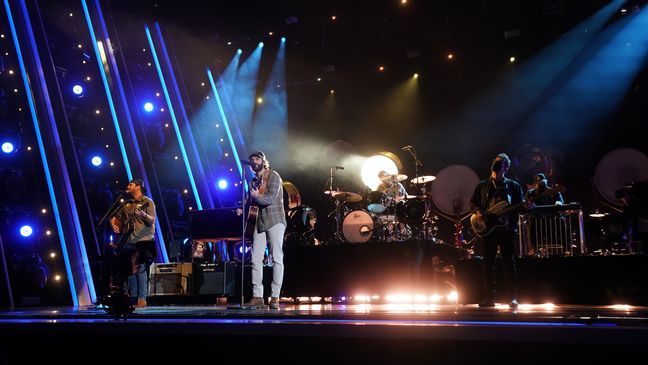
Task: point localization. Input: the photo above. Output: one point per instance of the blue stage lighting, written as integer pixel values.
(239, 51)
(222, 184)
(26, 231)
(260, 44)
(283, 39)
(77, 90)
(148, 107)
(96, 161)
(8, 147)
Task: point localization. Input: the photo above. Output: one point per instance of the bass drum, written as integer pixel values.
(412, 210)
(358, 226)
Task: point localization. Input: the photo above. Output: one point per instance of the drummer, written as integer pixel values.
(391, 187)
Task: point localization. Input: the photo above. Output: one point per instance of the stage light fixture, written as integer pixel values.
(512, 59)
(8, 147)
(259, 100)
(450, 56)
(96, 161)
(77, 90)
(26, 230)
(222, 184)
(239, 51)
(333, 17)
(148, 107)
(283, 39)
(261, 44)
(416, 76)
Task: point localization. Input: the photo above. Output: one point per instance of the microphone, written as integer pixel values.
(407, 148)
(339, 168)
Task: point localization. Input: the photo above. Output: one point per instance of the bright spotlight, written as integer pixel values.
(222, 184)
(8, 147)
(77, 90)
(261, 44)
(416, 76)
(96, 161)
(148, 107)
(26, 231)
(373, 166)
(239, 51)
(259, 100)
(283, 39)
(512, 59)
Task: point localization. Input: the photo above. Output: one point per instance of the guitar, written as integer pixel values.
(128, 225)
(483, 224)
(253, 210)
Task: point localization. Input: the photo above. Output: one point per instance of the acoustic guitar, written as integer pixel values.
(127, 226)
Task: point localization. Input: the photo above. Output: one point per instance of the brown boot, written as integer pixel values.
(255, 302)
(274, 303)
(141, 303)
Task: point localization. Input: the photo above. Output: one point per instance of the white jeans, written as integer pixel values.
(273, 238)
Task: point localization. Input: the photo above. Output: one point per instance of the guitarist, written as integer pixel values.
(498, 188)
(135, 222)
(266, 194)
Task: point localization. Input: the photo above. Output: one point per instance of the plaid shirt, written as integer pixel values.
(271, 206)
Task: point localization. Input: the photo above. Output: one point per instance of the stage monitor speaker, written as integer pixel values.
(214, 279)
(170, 279)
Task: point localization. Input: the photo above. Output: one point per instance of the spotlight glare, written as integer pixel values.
(52, 254)
(512, 59)
(148, 107)
(43, 210)
(57, 277)
(259, 100)
(77, 90)
(381, 68)
(26, 231)
(332, 91)
(261, 44)
(96, 161)
(239, 51)
(416, 76)
(222, 184)
(450, 56)
(373, 166)
(8, 147)
(283, 39)
(333, 17)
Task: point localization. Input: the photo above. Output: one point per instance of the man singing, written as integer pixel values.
(270, 228)
(135, 221)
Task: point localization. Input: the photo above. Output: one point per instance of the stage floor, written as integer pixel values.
(389, 332)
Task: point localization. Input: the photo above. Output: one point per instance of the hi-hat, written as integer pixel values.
(347, 196)
(394, 178)
(423, 179)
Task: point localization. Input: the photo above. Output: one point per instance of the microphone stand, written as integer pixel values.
(111, 210)
(243, 221)
(417, 164)
(337, 238)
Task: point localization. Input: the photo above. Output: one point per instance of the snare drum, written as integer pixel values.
(358, 226)
(376, 202)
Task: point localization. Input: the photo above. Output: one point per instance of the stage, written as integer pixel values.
(405, 332)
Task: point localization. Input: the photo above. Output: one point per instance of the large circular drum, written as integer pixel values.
(358, 226)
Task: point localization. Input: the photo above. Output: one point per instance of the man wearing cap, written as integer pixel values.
(135, 221)
(270, 228)
(540, 185)
(390, 187)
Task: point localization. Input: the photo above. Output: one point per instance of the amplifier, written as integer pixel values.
(170, 279)
(214, 279)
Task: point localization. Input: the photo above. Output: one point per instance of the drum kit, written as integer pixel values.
(382, 215)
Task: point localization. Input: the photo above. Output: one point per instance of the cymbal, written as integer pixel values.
(347, 196)
(423, 179)
(394, 178)
(416, 196)
(330, 192)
